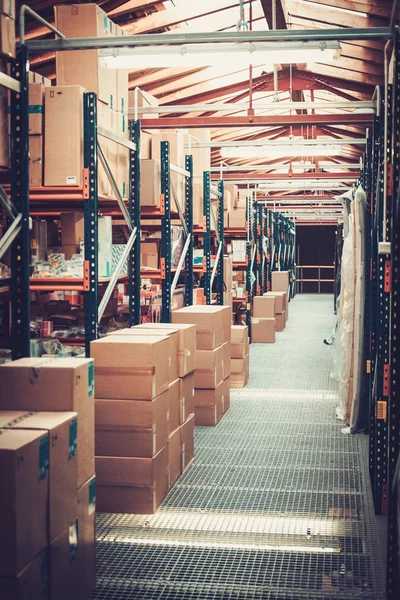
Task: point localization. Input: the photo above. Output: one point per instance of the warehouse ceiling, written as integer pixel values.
(352, 77)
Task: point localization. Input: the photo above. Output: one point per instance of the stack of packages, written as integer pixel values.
(230, 202)
(144, 434)
(240, 359)
(263, 323)
(211, 377)
(79, 71)
(280, 283)
(47, 502)
(37, 85)
(281, 309)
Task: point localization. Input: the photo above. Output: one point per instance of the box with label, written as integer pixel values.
(239, 341)
(130, 367)
(263, 331)
(132, 485)
(63, 150)
(36, 94)
(24, 464)
(72, 228)
(213, 324)
(150, 182)
(280, 281)
(187, 442)
(35, 160)
(172, 337)
(264, 307)
(31, 583)
(62, 430)
(186, 397)
(85, 67)
(55, 384)
(7, 36)
(209, 368)
(186, 343)
(210, 404)
(280, 301)
(175, 455)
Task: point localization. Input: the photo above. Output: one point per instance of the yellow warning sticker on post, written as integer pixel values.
(381, 410)
(368, 366)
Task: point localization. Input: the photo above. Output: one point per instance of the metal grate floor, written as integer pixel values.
(277, 504)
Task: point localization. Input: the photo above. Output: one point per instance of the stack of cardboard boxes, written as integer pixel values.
(263, 324)
(7, 28)
(211, 377)
(228, 279)
(240, 357)
(281, 308)
(47, 503)
(37, 85)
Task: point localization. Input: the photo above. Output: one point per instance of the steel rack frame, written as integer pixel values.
(248, 264)
(217, 273)
(368, 349)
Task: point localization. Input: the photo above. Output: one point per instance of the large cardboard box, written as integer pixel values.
(233, 190)
(174, 413)
(150, 190)
(264, 307)
(87, 537)
(228, 271)
(130, 367)
(176, 141)
(213, 324)
(36, 95)
(280, 281)
(62, 430)
(150, 253)
(263, 331)
(145, 145)
(24, 465)
(84, 67)
(35, 160)
(186, 343)
(72, 228)
(172, 337)
(187, 442)
(30, 584)
(7, 7)
(240, 372)
(239, 341)
(209, 368)
(132, 428)
(226, 365)
(237, 218)
(280, 321)
(186, 397)
(63, 150)
(175, 455)
(7, 36)
(132, 485)
(55, 384)
(210, 404)
(280, 301)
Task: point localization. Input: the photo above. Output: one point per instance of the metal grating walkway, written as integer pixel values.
(277, 503)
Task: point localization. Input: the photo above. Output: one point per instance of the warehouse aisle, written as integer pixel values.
(275, 506)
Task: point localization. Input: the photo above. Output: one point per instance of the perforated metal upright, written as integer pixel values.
(165, 258)
(134, 213)
(254, 253)
(20, 249)
(91, 220)
(189, 226)
(259, 242)
(265, 250)
(248, 268)
(207, 234)
(220, 224)
(367, 185)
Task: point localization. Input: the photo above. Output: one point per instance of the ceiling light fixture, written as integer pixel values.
(280, 151)
(241, 54)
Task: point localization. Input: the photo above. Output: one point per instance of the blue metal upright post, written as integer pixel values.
(220, 270)
(189, 226)
(134, 213)
(166, 233)
(207, 235)
(20, 253)
(91, 220)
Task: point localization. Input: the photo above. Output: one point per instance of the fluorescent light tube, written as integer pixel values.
(205, 55)
(279, 151)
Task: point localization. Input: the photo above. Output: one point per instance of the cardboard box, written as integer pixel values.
(233, 191)
(263, 331)
(132, 428)
(280, 322)
(69, 251)
(209, 368)
(87, 538)
(145, 145)
(84, 67)
(228, 297)
(4, 126)
(213, 324)
(62, 430)
(210, 404)
(174, 405)
(228, 271)
(24, 464)
(123, 153)
(63, 150)
(226, 365)
(150, 178)
(130, 367)
(36, 94)
(72, 228)
(264, 307)
(7, 7)
(186, 397)
(7, 36)
(176, 141)
(132, 485)
(280, 281)
(150, 253)
(175, 455)
(237, 218)
(35, 160)
(280, 301)
(239, 341)
(30, 584)
(198, 203)
(55, 384)
(187, 442)
(240, 377)
(186, 343)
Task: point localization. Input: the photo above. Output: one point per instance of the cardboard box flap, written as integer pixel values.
(15, 419)
(130, 352)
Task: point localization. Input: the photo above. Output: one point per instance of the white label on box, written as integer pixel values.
(183, 456)
(223, 404)
(255, 321)
(70, 180)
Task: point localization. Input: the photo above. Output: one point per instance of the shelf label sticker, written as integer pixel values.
(70, 180)
(73, 540)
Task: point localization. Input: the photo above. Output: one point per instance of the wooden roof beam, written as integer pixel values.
(319, 13)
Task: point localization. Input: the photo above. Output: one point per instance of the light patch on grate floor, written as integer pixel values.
(277, 503)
